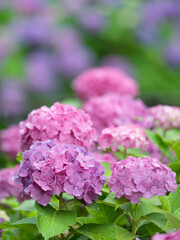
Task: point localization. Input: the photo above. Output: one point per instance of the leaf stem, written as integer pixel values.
(125, 153)
(134, 219)
(60, 201)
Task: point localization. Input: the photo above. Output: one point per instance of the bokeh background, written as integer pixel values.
(45, 44)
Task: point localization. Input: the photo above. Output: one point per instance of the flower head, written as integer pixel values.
(166, 116)
(9, 141)
(7, 186)
(168, 236)
(137, 177)
(50, 168)
(114, 110)
(126, 136)
(64, 123)
(100, 81)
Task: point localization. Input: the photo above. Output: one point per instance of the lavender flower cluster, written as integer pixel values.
(50, 168)
(138, 177)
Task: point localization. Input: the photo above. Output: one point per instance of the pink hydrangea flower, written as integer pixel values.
(9, 141)
(114, 110)
(50, 168)
(137, 177)
(167, 236)
(105, 157)
(8, 187)
(65, 123)
(166, 116)
(103, 80)
(126, 136)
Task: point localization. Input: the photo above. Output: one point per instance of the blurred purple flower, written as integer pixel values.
(172, 52)
(40, 72)
(118, 62)
(92, 20)
(28, 6)
(12, 98)
(33, 30)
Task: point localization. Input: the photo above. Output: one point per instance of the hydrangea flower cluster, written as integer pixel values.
(105, 157)
(65, 123)
(166, 116)
(125, 111)
(168, 236)
(126, 136)
(50, 168)
(9, 141)
(137, 177)
(8, 187)
(103, 80)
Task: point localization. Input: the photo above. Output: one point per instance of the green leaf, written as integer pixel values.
(175, 167)
(111, 200)
(176, 149)
(105, 232)
(158, 140)
(158, 219)
(101, 213)
(22, 224)
(107, 169)
(52, 222)
(27, 206)
(19, 157)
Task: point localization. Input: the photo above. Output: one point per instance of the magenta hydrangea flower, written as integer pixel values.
(114, 110)
(167, 236)
(50, 168)
(65, 123)
(8, 187)
(138, 177)
(103, 80)
(9, 141)
(166, 116)
(126, 136)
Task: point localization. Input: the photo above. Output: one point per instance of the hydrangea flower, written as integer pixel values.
(166, 116)
(105, 157)
(103, 80)
(137, 177)
(9, 141)
(125, 111)
(167, 236)
(67, 124)
(50, 168)
(126, 136)
(8, 187)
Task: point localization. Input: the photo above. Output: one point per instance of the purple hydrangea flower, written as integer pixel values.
(65, 123)
(126, 136)
(167, 236)
(9, 141)
(12, 98)
(138, 177)
(49, 168)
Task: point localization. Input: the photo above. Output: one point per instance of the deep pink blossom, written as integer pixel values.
(103, 80)
(114, 110)
(137, 177)
(51, 168)
(166, 116)
(127, 136)
(65, 123)
(167, 236)
(9, 141)
(8, 187)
